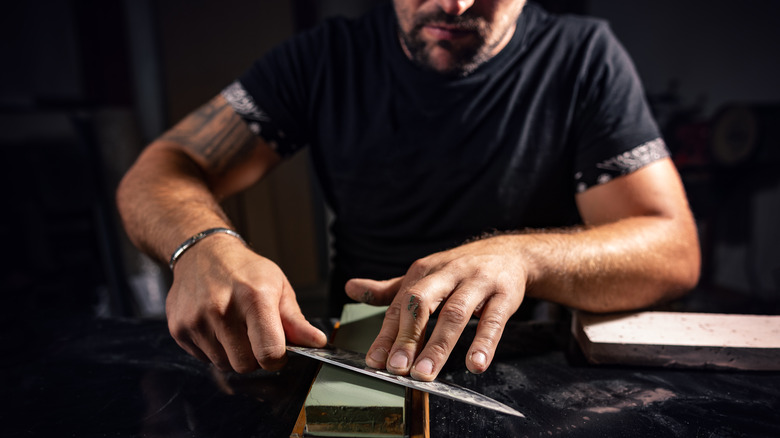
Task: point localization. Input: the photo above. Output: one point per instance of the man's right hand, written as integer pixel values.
(227, 305)
(233, 308)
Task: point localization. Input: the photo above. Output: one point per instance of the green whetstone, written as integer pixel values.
(344, 403)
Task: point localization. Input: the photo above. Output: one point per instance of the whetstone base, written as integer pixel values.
(676, 339)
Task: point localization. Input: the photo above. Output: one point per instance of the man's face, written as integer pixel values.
(454, 37)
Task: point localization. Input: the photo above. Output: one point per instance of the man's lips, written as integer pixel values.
(446, 31)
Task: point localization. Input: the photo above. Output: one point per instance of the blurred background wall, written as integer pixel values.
(85, 84)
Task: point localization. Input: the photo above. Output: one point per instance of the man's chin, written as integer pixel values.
(442, 61)
(447, 57)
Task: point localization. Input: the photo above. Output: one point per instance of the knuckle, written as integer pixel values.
(215, 310)
(177, 330)
(217, 357)
(223, 366)
(254, 297)
(439, 348)
(242, 369)
(245, 291)
(406, 339)
(245, 365)
(255, 308)
(268, 355)
(393, 312)
(481, 275)
(459, 264)
(421, 267)
(259, 291)
(492, 322)
(413, 298)
(183, 330)
(477, 271)
(455, 312)
(490, 333)
(384, 340)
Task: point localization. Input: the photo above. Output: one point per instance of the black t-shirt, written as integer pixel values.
(412, 163)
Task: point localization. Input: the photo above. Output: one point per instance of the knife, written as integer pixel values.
(356, 362)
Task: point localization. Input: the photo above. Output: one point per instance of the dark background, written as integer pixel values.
(85, 84)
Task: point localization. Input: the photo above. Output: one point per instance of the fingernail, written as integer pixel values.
(378, 355)
(399, 360)
(424, 366)
(479, 358)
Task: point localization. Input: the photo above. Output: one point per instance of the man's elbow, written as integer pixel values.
(679, 258)
(693, 273)
(687, 271)
(681, 276)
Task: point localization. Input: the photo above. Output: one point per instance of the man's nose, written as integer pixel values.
(455, 7)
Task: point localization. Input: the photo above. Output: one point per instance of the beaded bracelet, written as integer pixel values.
(197, 238)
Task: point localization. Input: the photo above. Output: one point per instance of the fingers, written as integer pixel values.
(462, 289)
(374, 292)
(237, 348)
(247, 338)
(453, 317)
(200, 342)
(191, 348)
(266, 336)
(403, 330)
(217, 336)
(492, 321)
(271, 325)
(297, 329)
(377, 354)
(242, 323)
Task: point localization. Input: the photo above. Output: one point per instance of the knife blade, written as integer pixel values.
(356, 362)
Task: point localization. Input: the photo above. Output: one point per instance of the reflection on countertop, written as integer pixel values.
(129, 378)
(87, 378)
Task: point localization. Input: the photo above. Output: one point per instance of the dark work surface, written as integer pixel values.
(125, 378)
(540, 371)
(109, 378)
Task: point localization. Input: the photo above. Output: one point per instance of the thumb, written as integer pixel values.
(374, 292)
(297, 329)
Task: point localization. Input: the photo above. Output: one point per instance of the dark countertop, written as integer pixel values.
(127, 378)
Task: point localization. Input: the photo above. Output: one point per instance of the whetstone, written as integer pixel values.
(676, 339)
(344, 403)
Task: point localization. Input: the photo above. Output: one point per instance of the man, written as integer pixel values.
(430, 124)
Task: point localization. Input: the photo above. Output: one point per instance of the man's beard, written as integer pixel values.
(465, 58)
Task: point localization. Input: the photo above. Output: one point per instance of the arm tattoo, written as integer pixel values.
(216, 133)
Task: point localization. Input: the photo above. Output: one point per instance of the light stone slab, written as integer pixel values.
(677, 339)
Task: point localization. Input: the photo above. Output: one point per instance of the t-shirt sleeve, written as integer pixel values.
(614, 129)
(273, 95)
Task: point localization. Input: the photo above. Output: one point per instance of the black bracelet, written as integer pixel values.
(197, 238)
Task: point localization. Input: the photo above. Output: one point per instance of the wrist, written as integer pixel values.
(208, 234)
(522, 251)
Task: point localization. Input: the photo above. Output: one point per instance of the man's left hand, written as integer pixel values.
(485, 278)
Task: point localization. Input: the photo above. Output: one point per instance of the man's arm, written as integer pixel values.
(227, 305)
(638, 247)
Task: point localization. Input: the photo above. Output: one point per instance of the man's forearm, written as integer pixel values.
(632, 263)
(164, 200)
(172, 191)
